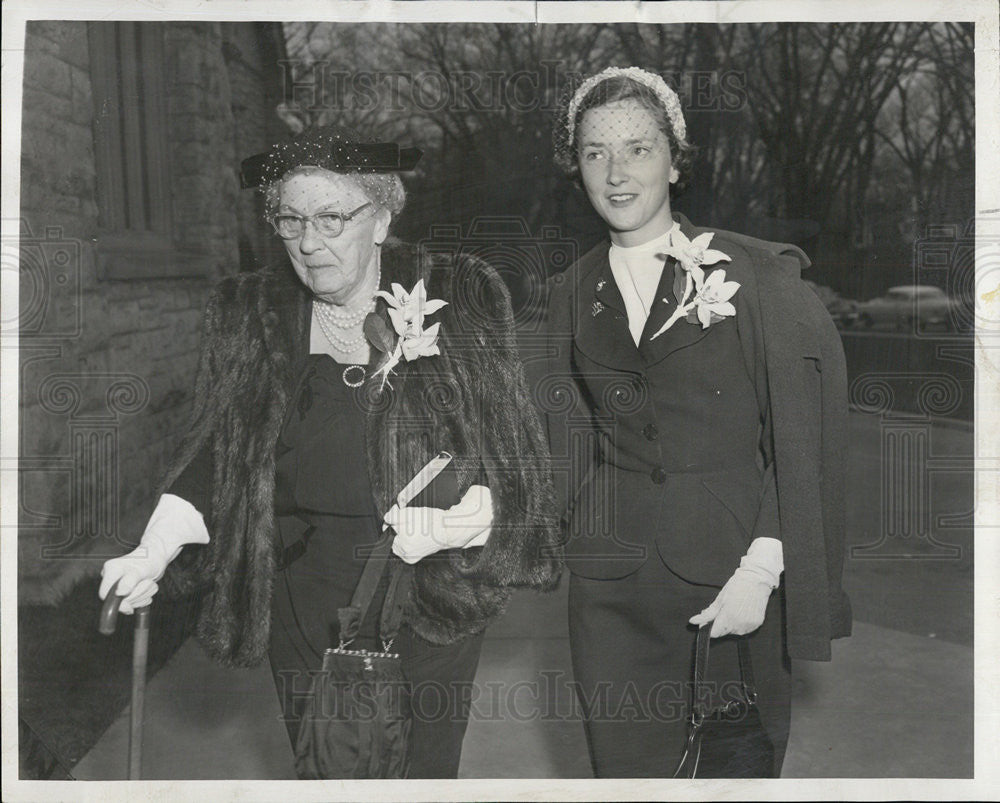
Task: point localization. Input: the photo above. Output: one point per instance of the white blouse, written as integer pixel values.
(637, 272)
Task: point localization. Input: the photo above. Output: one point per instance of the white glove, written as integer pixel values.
(422, 531)
(174, 523)
(739, 607)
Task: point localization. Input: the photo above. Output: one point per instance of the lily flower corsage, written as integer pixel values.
(407, 311)
(711, 295)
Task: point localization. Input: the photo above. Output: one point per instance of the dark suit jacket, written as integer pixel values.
(689, 446)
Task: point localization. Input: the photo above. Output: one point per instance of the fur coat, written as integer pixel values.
(471, 400)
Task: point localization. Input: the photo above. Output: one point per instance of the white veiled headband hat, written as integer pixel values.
(667, 96)
(566, 122)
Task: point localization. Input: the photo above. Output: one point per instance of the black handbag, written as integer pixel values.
(727, 740)
(357, 719)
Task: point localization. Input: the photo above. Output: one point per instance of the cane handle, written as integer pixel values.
(109, 612)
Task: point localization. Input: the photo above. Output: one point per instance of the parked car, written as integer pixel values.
(909, 307)
(844, 311)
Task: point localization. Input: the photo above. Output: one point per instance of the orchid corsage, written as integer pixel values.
(407, 311)
(711, 295)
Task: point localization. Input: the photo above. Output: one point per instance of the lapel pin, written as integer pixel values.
(600, 285)
(597, 309)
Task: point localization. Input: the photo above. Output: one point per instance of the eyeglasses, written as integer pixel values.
(328, 224)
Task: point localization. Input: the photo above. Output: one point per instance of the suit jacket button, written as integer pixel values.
(658, 475)
(651, 432)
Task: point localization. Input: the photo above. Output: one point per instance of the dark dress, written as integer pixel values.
(323, 501)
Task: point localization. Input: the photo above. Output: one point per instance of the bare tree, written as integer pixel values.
(928, 125)
(478, 98)
(814, 122)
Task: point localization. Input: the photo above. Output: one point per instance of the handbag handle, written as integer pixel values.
(701, 667)
(396, 595)
(351, 616)
(692, 749)
(395, 600)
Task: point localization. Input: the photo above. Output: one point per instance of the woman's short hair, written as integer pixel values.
(613, 89)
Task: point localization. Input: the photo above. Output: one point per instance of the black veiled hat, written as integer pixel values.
(330, 147)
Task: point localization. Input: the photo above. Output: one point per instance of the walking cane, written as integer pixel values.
(140, 652)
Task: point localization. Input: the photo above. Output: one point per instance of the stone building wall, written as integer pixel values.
(244, 52)
(107, 365)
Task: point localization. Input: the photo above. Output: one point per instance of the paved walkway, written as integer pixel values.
(890, 704)
(896, 701)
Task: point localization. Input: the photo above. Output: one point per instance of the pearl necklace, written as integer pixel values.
(344, 346)
(340, 320)
(329, 319)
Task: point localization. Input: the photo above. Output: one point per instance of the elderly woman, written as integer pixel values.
(712, 382)
(324, 386)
